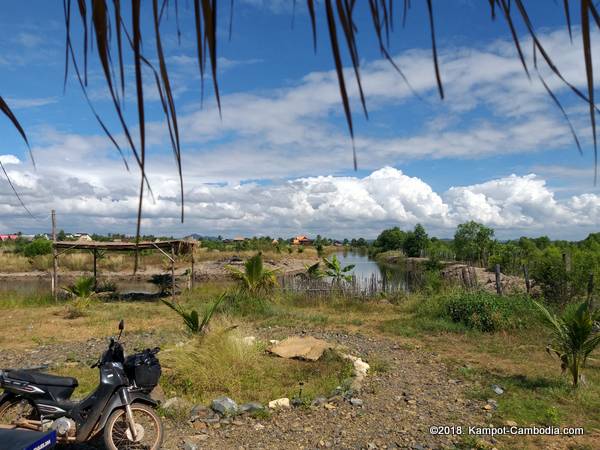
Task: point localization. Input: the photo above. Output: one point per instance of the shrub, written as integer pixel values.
(163, 281)
(37, 247)
(488, 312)
(244, 304)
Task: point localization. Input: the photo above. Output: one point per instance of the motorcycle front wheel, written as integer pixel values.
(149, 430)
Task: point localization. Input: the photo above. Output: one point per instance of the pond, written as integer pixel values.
(376, 275)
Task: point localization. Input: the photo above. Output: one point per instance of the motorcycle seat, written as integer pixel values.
(44, 379)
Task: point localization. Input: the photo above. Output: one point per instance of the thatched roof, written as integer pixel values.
(180, 246)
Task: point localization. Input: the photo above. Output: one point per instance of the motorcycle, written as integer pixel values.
(120, 407)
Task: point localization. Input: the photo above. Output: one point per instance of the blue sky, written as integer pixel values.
(496, 150)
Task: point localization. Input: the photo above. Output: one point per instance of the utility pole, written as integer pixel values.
(54, 257)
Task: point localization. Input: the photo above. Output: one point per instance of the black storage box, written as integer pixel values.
(143, 369)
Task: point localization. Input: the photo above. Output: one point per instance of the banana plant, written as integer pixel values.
(574, 337)
(337, 273)
(313, 272)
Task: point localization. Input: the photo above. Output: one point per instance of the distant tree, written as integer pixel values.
(345, 242)
(390, 239)
(416, 241)
(472, 242)
(61, 236)
(361, 242)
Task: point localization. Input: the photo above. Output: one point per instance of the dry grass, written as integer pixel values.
(27, 327)
(10, 263)
(222, 364)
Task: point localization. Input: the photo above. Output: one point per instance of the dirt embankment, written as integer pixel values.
(478, 276)
(464, 274)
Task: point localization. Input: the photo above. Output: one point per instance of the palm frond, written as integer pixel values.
(104, 22)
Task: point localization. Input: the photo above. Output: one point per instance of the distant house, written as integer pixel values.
(238, 239)
(82, 237)
(301, 240)
(8, 237)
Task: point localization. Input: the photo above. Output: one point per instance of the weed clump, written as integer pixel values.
(488, 312)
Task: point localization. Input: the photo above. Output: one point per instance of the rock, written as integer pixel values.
(175, 403)
(488, 407)
(411, 402)
(492, 402)
(273, 341)
(329, 406)
(188, 445)
(297, 401)
(200, 412)
(497, 389)
(259, 426)
(251, 407)
(280, 403)
(510, 423)
(158, 394)
(356, 402)
(301, 347)
(225, 406)
(198, 425)
(319, 401)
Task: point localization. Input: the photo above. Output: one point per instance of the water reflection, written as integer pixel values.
(375, 275)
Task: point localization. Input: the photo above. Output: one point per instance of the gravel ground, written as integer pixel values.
(415, 390)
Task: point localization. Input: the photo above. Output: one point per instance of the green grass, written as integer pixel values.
(15, 300)
(545, 400)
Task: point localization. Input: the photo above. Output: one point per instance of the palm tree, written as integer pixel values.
(191, 318)
(254, 279)
(82, 288)
(334, 269)
(82, 292)
(574, 337)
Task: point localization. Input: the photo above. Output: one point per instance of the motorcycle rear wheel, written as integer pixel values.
(17, 408)
(117, 435)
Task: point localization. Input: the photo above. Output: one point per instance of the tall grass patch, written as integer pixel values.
(222, 364)
(488, 312)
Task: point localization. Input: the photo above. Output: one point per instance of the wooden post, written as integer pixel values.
(173, 271)
(465, 277)
(95, 269)
(526, 275)
(54, 258)
(192, 268)
(498, 280)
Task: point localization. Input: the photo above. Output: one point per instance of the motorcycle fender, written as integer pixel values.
(5, 396)
(115, 403)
